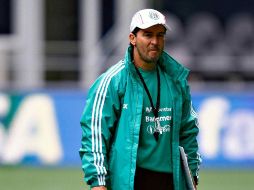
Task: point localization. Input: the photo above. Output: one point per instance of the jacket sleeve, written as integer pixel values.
(97, 123)
(188, 133)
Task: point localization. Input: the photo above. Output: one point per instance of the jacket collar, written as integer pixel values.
(174, 69)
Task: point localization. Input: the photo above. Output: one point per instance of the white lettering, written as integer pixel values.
(164, 129)
(165, 109)
(238, 139)
(33, 131)
(212, 115)
(4, 108)
(150, 119)
(165, 118)
(238, 130)
(2, 138)
(162, 118)
(148, 109)
(4, 104)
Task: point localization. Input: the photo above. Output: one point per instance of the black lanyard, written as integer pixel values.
(155, 109)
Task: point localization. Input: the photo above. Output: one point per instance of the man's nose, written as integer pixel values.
(154, 40)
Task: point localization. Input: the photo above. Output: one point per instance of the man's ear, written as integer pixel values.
(132, 39)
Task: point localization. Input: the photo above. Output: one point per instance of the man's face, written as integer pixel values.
(149, 43)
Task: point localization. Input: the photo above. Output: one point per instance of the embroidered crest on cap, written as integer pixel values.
(153, 15)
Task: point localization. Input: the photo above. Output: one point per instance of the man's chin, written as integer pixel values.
(154, 60)
(151, 59)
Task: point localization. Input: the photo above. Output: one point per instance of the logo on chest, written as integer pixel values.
(152, 129)
(125, 106)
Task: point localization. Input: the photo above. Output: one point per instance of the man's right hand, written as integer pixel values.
(99, 188)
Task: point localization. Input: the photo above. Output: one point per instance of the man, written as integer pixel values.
(137, 115)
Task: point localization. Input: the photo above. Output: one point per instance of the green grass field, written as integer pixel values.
(28, 178)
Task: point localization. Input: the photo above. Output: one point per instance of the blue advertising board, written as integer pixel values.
(43, 128)
(226, 121)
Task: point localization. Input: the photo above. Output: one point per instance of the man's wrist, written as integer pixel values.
(196, 179)
(99, 188)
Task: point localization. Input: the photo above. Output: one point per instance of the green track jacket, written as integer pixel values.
(111, 123)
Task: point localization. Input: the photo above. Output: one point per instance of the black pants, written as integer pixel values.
(150, 180)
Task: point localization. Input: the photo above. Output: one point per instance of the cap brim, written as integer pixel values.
(145, 26)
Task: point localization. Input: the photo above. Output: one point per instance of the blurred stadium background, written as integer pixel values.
(52, 50)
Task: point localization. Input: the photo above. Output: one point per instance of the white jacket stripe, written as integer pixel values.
(96, 121)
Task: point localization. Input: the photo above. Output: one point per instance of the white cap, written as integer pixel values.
(146, 18)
